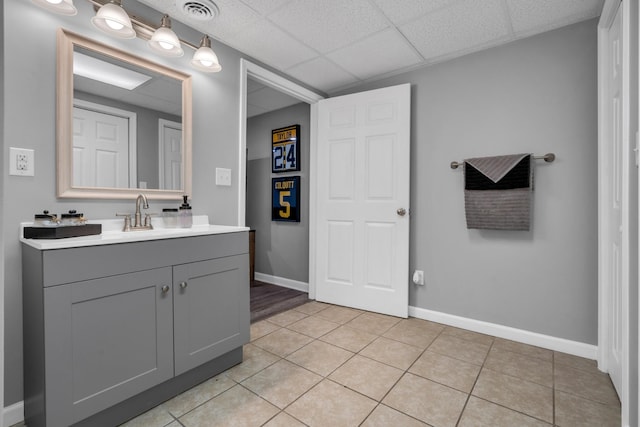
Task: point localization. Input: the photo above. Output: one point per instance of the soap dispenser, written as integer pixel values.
(185, 219)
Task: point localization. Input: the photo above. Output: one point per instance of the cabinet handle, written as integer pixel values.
(165, 289)
(183, 285)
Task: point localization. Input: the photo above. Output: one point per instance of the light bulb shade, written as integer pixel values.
(62, 7)
(113, 19)
(205, 59)
(164, 40)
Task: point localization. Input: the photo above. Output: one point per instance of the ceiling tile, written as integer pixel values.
(253, 110)
(541, 15)
(271, 98)
(400, 12)
(253, 85)
(329, 24)
(265, 6)
(462, 27)
(277, 49)
(321, 74)
(379, 54)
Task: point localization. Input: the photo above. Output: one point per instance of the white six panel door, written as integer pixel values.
(362, 251)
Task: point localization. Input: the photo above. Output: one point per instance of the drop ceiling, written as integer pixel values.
(331, 45)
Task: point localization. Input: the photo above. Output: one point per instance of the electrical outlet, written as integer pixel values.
(21, 161)
(223, 177)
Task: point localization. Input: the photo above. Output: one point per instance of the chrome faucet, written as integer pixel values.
(138, 224)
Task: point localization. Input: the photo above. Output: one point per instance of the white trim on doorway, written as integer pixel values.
(275, 81)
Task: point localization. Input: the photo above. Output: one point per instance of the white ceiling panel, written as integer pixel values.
(527, 15)
(321, 74)
(399, 12)
(376, 55)
(461, 27)
(265, 7)
(278, 49)
(329, 24)
(268, 97)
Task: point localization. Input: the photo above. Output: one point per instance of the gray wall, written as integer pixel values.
(534, 95)
(282, 248)
(29, 39)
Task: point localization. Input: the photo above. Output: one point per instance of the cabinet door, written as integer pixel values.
(107, 339)
(211, 309)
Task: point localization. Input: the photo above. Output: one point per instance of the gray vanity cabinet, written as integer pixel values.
(112, 330)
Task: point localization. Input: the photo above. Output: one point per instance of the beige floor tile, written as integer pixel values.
(254, 360)
(286, 318)
(312, 307)
(383, 416)
(446, 370)
(518, 365)
(156, 417)
(417, 334)
(262, 328)
(592, 386)
(236, 407)
(282, 383)
(427, 401)
(366, 376)
(468, 335)
(515, 393)
(576, 411)
(348, 338)
(480, 413)
(339, 314)
(196, 396)
(320, 357)
(373, 323)
(394, 353)
(330, 404)
(284, 420)
(282, 342)
(575, 362)
(468, 351)
(526, 349)
(313, 326)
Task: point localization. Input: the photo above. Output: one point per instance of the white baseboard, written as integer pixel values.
(532, 338)
(13, 414)
(281, 281)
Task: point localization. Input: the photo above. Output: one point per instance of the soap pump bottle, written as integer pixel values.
(185, 219)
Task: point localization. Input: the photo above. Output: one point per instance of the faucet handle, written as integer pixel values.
(147, 219)
(127, 221)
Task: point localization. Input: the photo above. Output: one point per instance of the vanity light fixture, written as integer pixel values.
(205, 58)
(114, 20)
(165, 41)
(62, 7)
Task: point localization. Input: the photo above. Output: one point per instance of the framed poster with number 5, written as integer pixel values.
(285, 149)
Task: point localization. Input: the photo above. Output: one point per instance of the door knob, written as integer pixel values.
(401, 212)
(164, 289)
(183, 285)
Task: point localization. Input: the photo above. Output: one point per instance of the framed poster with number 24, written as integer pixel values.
(285, 149)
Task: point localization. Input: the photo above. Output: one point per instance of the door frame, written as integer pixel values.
(275, 81)
(162, 125)
(604, 173)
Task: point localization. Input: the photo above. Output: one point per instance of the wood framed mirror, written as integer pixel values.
(116, 139)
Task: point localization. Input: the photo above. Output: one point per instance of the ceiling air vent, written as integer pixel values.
(200, 10)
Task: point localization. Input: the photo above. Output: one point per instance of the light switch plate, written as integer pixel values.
(223, 177)
(21, 161)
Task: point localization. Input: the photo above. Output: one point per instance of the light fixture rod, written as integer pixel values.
(143, 29)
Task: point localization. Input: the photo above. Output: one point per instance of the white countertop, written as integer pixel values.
(112, 233)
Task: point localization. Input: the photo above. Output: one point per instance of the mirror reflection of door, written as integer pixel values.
(170, 154)
(104, 148)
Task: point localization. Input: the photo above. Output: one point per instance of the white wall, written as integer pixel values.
(534, 95)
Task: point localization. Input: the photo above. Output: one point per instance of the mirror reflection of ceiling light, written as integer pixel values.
(63, 7)
(105, 72)
(114, 20)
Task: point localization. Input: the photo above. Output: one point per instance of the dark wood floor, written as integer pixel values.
(268, 299)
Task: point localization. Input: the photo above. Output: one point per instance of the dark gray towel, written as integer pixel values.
(498, 192)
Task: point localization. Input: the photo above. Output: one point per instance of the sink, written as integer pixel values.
(137, 234)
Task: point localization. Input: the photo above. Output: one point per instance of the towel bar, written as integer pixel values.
(549, 157)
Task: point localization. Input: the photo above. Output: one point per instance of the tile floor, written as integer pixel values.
(324, 365)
